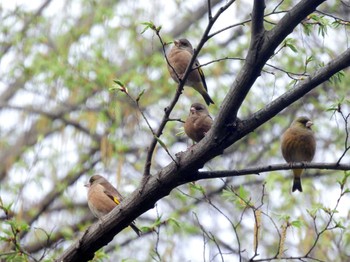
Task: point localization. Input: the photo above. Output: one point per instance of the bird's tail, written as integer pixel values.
(207, 98)
(297, 180)
(202, 90)
(135, 228)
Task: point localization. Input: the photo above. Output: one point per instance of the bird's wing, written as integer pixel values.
(112, 193)
(201, 74)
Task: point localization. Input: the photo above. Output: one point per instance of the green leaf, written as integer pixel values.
(67, 232)
(297, 223)
(347, 191)
(310, 59)
(148, 25)
(293, 48)
(229, 195)
(242, 193)
(118, 82)
(284, 217)
(312, 212)
(197, 187)
(156, 223)
(174, 221)
(119, 86)
(339, 224)
(140, 95)
(100, 255)
(22, 226)
(289, 42)
(161, 142)
(326, 210)
(180, 133)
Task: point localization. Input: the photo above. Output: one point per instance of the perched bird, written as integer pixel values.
(198, 122)
(298, 145)
(103, 197)
(179, 57)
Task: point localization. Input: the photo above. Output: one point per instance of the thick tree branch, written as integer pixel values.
(258, 18)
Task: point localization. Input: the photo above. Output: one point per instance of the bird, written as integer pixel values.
(298, 144)
(198, 122)
(179, 57)
(103, 197)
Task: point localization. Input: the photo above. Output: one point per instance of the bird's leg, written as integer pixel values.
(191, 146)
(291, 164)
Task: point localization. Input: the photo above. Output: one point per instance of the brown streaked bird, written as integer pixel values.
(298, 145)
(179, 57)
(198, 122)
(103, 197)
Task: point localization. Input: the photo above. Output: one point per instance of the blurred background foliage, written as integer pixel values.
(60, 123)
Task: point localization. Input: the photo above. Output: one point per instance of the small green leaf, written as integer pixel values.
(339, 224)
(197, 187)
(229, 195)
(284, 217)
(293, 48)
(67, 232)
(119, 86)
(140, 95)
(310, 59)
(326, 210)
(297, 223)
(289, 42)
(118, 82)
(148, 25)
(347, 191)
(242, 193)
(156, 223)
(180, 133)
(175, 221)
(160, 142)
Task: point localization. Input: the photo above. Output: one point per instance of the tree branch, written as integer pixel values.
(269, 168)
(258, 19)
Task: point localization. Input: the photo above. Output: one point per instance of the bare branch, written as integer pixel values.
(269, 168)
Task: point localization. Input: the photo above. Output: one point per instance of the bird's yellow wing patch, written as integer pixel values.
(116, 200)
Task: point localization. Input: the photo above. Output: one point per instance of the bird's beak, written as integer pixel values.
(87, 185)
(177, 43)
(309, 124)
(192, 110)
